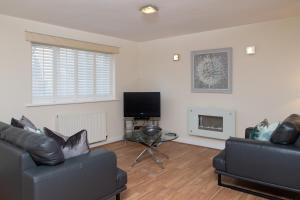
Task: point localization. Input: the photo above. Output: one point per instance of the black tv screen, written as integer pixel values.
(141, 104)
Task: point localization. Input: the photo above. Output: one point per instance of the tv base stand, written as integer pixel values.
(132, 124)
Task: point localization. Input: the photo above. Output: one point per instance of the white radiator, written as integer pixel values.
(94, 123)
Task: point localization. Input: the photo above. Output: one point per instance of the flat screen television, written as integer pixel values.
(141, 104)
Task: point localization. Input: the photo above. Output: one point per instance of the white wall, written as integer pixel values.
(15, 74)
(266, 85)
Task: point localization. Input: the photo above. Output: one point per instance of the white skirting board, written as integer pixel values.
(108, 141)
(203, 142)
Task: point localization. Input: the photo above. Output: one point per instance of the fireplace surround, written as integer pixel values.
(211, 122)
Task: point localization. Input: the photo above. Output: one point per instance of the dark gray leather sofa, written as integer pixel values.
(93, 176)
(260, 162)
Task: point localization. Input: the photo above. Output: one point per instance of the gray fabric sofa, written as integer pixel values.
(93, 176)
(260, 162)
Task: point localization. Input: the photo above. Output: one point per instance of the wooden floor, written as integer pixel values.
(188, 174)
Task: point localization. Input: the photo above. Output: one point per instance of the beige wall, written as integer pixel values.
(15, 74)
(266, 85)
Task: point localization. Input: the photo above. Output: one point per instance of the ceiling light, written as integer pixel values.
(149, 9)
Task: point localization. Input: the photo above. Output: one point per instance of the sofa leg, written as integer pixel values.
(219, 179)
(240, 189)
(118, 197)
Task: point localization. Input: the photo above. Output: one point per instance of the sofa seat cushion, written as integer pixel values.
(43, 150)
(219, 161)
(121, 178)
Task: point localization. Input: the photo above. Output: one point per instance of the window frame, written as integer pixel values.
(76, 99)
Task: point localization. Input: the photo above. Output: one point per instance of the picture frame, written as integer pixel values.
(212, 70)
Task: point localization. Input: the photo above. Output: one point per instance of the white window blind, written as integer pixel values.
(63, 75)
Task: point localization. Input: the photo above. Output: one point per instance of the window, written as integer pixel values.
(64, 75)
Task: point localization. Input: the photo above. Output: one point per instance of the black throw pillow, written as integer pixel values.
(73, 146)
(16, 123)
(59, 140)
(288, 131)
(43, 150)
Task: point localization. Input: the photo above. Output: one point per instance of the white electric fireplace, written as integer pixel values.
(211, 122)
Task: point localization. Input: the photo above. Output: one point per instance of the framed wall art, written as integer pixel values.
(212, 71)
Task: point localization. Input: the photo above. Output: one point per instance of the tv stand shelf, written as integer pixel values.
(132, 124)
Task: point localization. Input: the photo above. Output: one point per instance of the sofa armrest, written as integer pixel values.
(248, 132)
(263, 161)
(90, 176)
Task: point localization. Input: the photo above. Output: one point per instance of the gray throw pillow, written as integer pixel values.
(25, 124)
(72, 146)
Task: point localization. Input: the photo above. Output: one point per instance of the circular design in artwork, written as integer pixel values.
(210, 70)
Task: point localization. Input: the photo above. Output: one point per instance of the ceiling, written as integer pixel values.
(121, 18)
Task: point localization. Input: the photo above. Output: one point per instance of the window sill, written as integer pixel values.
(70, 103)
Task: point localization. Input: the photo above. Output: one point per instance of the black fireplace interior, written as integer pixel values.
(210, 123)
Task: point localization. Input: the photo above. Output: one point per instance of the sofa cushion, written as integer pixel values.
(219, 161)
(42, 149)
(297, 143)
(121, 178)
(75, 145)
(288, 131)
(3, 126)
